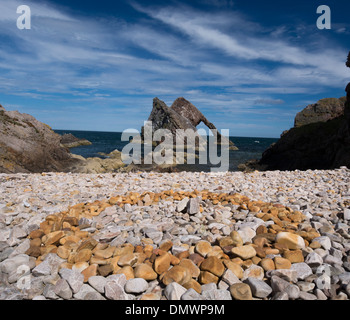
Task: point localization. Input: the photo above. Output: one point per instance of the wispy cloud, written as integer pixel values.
(222, 61)
(246, 45)
(265, 101)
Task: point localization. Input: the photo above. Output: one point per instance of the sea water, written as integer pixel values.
(106, 142)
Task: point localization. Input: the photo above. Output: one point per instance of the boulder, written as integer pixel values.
(291, 240)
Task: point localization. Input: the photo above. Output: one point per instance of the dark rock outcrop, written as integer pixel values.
(30, 146)
(319, 140)
(187, 110)
(70, 141)
(181, 115)
(321, 145)
(347, 104)
(163, 117)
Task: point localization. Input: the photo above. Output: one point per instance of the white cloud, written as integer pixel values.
(216, 59)
(247, 45)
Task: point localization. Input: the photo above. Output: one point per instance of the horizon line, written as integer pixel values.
(135, 129)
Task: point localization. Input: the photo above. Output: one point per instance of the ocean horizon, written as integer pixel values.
(106, 142)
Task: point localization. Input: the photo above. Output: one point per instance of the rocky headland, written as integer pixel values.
(30, 146)
(320, 139)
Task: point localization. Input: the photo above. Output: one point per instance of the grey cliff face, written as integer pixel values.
(28, 145)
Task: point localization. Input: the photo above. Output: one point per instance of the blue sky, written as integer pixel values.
(249, 66)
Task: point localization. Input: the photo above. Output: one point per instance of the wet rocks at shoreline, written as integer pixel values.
(111, 162)
(70, 141)
(271, 235)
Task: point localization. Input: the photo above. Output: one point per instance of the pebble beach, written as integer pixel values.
(175, 236)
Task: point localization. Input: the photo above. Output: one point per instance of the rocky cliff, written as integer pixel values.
(28, 145)
(319, 140)
(347, 104)
(320, 145)
(322, 111)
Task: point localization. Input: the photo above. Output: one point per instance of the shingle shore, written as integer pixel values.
(261, 235)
